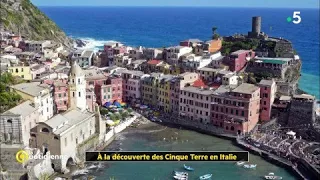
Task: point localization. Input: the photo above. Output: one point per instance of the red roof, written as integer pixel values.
(199, 83)
(154, 62)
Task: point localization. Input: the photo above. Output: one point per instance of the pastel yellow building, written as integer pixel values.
(21, 71)
(164, 97)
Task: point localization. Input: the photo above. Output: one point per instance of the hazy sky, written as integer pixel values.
(213, 3)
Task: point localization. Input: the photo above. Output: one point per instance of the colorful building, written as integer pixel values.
(177, 83)
(21, 71)
(238, 59)
(132, 86)
(195, 104)
(214, 45)
(116, 83)
(236, 110)
(164, 97)
(40, 94)
(268, 90)
(149, 89)
(60, 94)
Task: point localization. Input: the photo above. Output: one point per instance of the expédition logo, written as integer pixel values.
(22, 156)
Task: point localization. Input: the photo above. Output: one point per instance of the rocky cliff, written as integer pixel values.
(22, 16)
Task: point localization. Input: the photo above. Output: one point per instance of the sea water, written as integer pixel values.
(160, 138)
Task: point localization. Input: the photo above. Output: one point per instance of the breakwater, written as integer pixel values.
(299, 172)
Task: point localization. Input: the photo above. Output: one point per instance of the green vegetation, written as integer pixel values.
(215, 35)
(8, 99)
(44, 176)
(30, 22)
(104, 111)
(130, 110)
(230, 46)
(117, 116)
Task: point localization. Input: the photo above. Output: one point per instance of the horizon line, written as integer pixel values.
(251, 7)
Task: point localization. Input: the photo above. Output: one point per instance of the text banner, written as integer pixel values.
(167, 156)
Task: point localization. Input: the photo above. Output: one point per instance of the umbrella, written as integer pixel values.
(116, 103)
(107, 104)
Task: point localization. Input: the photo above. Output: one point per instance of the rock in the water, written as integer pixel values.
(80, 43)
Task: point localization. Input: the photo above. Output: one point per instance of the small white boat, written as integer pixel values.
(180, 177)
(250, 166)
(189, 168)
(240, 163)
(206, 176)
(271, 176)
(180, 173)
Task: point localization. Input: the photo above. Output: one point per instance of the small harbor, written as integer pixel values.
(173, 139)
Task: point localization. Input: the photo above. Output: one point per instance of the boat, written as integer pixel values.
(180, 177)
(240, 163)
(180, 173)
(250, 166)
(206, 176)
(272, 176)
(189, 168)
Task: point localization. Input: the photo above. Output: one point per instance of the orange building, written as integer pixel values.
(215, 45)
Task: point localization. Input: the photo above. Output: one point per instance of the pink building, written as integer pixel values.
(236, 111)
(60, 94)
(132, 86)
(110, 50)
(97, 84)
(90, 99)
(268, 90)
(238, 59)
(116, 88)
(195, 104)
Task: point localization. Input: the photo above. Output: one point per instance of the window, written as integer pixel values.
(65, 94)
(59, 95)
(17, 70)
(264, 102)
(72, 94)
(65, 141)
(242, 113)
(22, 76)
(79, 94)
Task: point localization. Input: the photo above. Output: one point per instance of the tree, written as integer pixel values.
(117, 116)
(103, 111)
(125, 114)
(215, 35)
(130, 110)
(113, 117)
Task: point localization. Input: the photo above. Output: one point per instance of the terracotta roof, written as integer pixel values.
(154, 62)
(199, 83)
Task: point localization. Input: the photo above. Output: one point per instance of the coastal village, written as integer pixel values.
(64, 101)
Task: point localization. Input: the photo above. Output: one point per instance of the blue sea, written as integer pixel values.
(167, 26)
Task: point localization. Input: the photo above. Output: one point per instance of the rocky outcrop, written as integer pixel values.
(21, 16)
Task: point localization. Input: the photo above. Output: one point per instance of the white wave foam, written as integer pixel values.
(80, 172)
(94, 44)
